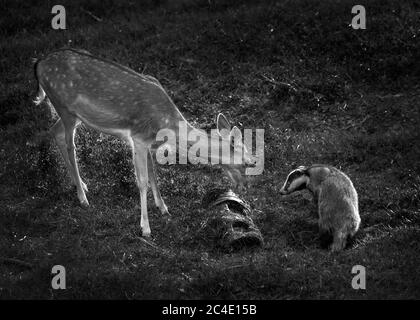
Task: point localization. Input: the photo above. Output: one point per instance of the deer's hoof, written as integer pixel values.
(145, 233)
(84, 203)
(165, 212)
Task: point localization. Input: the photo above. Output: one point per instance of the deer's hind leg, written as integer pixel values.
(63, 131)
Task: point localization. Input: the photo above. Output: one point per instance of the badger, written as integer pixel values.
(335, 197)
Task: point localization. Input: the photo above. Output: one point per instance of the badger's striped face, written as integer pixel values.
(296, 180)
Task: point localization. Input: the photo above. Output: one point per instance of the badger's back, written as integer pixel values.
(338, 202)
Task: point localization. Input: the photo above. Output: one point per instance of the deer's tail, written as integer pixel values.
(40, 96)
(41, 93)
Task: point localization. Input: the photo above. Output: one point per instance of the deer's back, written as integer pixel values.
(105, 94)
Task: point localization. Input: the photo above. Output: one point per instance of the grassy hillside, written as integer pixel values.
(323, 92)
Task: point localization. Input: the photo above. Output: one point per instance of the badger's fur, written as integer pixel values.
(336, 198)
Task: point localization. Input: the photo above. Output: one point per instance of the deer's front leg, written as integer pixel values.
(155, 188)
(140, 152)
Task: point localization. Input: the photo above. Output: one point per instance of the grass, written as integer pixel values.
(352, 102)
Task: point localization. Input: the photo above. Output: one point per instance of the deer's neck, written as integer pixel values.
(198, 145)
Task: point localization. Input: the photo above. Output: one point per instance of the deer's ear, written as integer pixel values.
(236, 135)
(222, 123)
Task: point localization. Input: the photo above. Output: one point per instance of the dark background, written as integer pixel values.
(323, 92)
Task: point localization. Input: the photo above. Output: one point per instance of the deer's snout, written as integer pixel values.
(251, 163)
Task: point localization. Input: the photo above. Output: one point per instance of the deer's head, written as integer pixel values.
(235, 156)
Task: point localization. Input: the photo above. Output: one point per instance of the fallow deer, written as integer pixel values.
(115, 100)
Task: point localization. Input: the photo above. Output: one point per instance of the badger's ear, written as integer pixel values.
(303, 169)
(321, 172)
